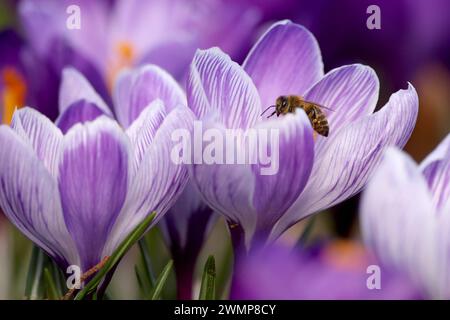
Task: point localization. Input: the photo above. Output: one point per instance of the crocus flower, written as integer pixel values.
(313, 174)
(189, 219)
(405, 216)
(118, 34)
(278, 272)
(77, 189)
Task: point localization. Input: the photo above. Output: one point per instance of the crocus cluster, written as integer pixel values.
(79, 187)
(101, 38)
(405, 214)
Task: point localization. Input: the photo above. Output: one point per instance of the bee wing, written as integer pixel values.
(318, 105)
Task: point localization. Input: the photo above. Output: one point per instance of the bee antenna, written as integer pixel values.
(272, 106)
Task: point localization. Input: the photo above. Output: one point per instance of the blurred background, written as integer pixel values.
(412, 45)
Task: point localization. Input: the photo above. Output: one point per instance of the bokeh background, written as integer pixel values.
(413, 45)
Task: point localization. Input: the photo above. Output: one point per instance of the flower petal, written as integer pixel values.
(135, 90)
(74, 87)
(78, 112)
(351, 92)
(44, 137)
(343, 168)
(400, 223)
(228, 190)
(187, 223)
(93, 177)
(29, 198)
(158, 181)
(143, 130)
(291, 163)
(219, 89)
(436, 168)
(286, 60)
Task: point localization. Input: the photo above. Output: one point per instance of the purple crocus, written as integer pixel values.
(118, 34)
(189, 219)
(278, 272)
(77, 189)
(314, 173)
(405, 213)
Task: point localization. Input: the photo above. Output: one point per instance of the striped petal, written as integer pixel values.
(75, 87)
(436, 168)
(400, 223)
(80, 111)
(352, 154)
(143, 130)
(29, 198)
(275, 193)
(350, 92)
(135, 90)
(286, 60)
(219, 90)
(93, 182)
(41, 134)
(158, 180)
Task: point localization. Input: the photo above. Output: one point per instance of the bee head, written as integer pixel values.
(282, 105)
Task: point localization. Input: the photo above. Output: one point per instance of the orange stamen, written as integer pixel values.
(123, 58)
(14, 92)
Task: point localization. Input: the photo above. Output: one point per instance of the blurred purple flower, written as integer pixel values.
(77, 189)
(406, 216)
(119, 34)
(313, 175)
(278, 272)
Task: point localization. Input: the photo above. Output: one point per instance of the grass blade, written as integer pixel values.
(161, 281)
(208, 287)
(33, 283)
(146, 260)
(52, 292)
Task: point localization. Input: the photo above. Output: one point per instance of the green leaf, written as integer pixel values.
(146, 260)
(33, 283)
(208, 287)
(115, 257)
(139, 277)
(161, 281)
(52, 292)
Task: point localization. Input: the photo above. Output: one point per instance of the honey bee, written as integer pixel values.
(285, 104)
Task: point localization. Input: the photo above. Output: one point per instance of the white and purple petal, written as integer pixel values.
(436, 168)
(286, 60)
(350, 92)
(93, 183)
(400, 223)
(75, 87)
(293, 159)
(136, 89)
(79, 111)
(343, 168)
(157, 182)
(29, 197)
(143, 130)
(41, 134)
(219, 90)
